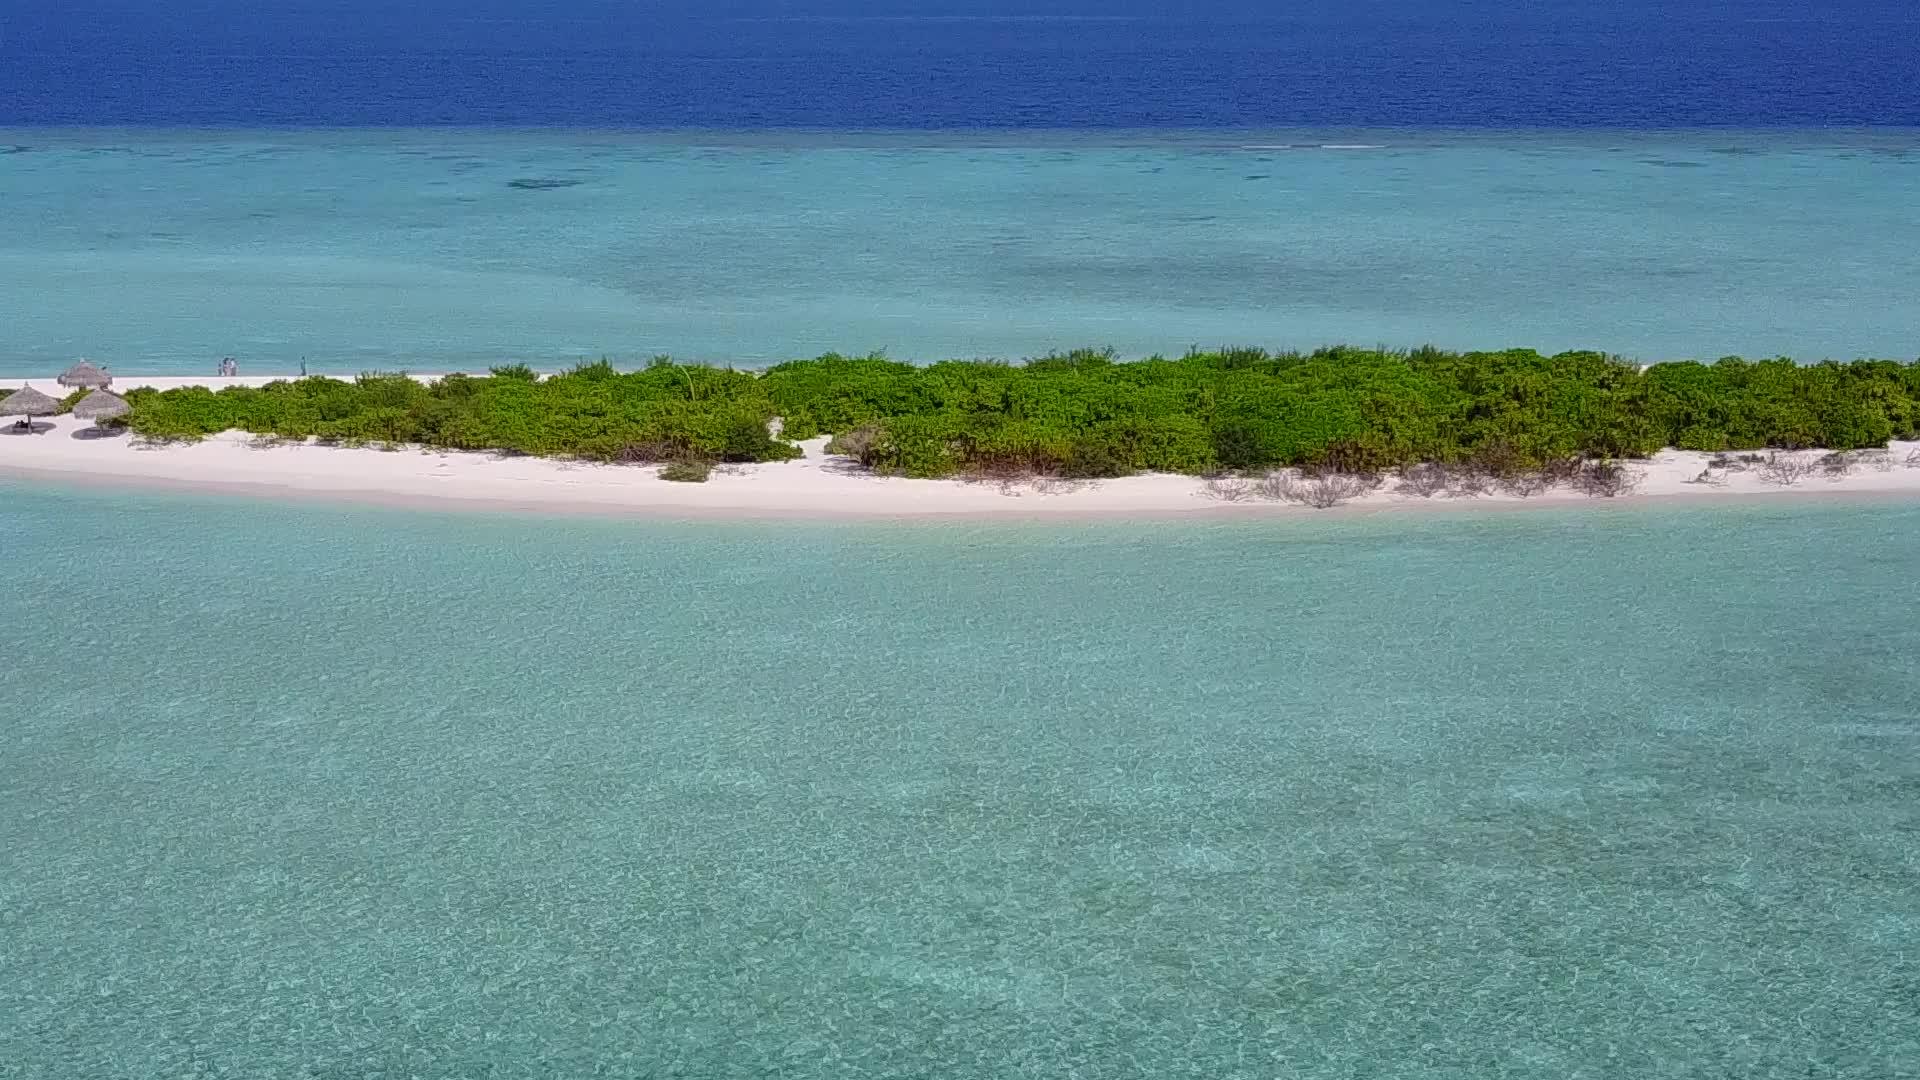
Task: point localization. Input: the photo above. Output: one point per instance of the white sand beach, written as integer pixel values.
(65, 449)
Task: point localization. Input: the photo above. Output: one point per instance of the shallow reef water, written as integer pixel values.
(291, 790)
(435, 250)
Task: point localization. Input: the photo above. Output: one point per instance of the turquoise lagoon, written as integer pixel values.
(300, 791)
(159, 252)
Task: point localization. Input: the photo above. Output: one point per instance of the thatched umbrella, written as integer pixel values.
(101, 405)
(85, 374)
(29, 403)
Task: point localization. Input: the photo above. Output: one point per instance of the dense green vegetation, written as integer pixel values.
(667, 412)
(1087, 414)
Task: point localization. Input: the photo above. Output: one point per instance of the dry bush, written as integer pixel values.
(1228, 488)
(1550, 474)
(1735, 462)
(1367, 479)
(1837, 465)
(1471, 481)
(687, 471)
(1320, 489)
(1606, 479)
(1022, 481)
(1013, 478)
(854, 444)
(1913, 459)
(1371, 481)
(1564, 470)
(1877, 460)
(1427, 479)
(1059, 485)
(1282, 486)
(1498, 460)
(1785, 470)
(657, 452)
(1332, 489)
(1526, 483)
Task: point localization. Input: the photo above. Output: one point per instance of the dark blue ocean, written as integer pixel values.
(962, 64)
(348, 184)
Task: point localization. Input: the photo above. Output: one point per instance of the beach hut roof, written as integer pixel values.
(101, 405)
(85, 374)
(28, 402)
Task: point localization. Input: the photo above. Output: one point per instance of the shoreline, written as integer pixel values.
(816, 486)
(1204, 510)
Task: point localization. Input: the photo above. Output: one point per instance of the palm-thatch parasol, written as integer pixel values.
(101, 405)
(85, 374)
(29, 403)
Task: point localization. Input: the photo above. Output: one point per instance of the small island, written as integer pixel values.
(1230, 427)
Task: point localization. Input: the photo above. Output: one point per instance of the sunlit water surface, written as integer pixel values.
(295, 791)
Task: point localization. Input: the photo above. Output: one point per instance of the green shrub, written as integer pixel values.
(1087, 414)
(1853, 424)
(800, 427)
(918, 446)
